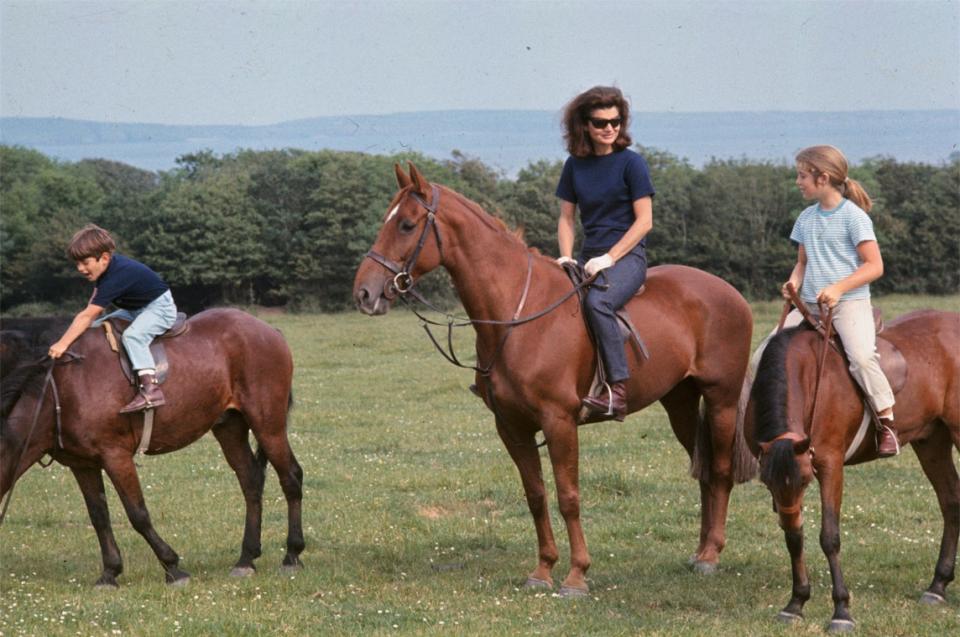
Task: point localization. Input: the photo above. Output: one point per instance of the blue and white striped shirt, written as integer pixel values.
(830, 239)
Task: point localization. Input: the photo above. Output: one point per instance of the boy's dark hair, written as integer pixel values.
(90, 241)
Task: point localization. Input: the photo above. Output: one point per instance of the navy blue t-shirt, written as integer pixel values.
(128, 284)
(604, 188)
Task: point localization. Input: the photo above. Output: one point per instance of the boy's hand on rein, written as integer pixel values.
(56, 350)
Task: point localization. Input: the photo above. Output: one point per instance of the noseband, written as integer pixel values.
(402, 281)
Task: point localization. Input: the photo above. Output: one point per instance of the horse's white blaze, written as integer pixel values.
(392, 213)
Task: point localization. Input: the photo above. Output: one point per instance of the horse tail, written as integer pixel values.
(743, 464)
(781, 467)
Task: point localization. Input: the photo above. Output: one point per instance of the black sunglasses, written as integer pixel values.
(600, 123)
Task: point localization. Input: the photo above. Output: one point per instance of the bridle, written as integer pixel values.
(402, 282)
(402, 285)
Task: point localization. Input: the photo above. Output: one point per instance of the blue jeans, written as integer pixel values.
(623, 279)
(147, 323)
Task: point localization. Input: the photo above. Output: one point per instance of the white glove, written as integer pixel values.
(563, 260)
(596, 264)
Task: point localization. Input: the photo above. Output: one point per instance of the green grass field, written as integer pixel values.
(416, 523)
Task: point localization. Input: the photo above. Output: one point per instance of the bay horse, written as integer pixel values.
(532, 374)
(229, 373)
(795, 446)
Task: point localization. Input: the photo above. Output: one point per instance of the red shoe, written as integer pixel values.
(148, 397)
(610, 405)
(887, 445)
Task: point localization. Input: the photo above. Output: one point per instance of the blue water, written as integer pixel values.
(509, 140)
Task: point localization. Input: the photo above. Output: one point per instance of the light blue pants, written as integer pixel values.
(146, 324)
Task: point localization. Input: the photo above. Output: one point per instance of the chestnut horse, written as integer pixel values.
(229, 373)
(533, 373)
(794, 447)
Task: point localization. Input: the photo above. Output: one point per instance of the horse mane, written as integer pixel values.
(769, 395)
(494, 222)
(23, 346)
(25, 379)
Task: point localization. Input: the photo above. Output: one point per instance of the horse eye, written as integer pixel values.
(406, 225)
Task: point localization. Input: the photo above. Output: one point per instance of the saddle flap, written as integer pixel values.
(161, 364)
(893, 364)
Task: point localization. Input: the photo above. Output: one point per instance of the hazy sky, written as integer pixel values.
(237, 62)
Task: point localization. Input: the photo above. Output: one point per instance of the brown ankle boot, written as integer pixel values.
(887, 443)
(148, 397)
(608, 405)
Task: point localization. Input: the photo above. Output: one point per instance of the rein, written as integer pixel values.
(48, 380)
(402, 286)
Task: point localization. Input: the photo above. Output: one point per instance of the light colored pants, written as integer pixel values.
(147, 323)
(853, 323)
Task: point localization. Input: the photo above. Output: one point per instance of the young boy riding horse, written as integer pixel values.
(141, 296)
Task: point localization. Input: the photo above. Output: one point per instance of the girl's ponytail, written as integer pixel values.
(853, 191)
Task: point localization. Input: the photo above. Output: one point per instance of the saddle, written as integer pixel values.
(113, 327)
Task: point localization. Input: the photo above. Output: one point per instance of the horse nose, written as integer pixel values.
(365, 299)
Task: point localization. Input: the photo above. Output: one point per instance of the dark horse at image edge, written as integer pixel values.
(795, 444)
(697, 328)
(230, 373)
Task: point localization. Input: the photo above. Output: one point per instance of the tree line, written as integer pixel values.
(289, 227)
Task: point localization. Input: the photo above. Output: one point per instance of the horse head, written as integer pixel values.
(408, 246)
(786, 457)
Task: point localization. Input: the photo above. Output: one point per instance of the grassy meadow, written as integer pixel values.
(416, 523)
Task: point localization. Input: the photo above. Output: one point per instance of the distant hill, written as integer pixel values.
(507, 140)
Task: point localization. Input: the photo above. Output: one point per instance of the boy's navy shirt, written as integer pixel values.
(604, 188)
(128, 284)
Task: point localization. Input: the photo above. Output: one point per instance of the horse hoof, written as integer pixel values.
(290, 569)
(535, 582)
(102, 585)
(788, 618)
(180, 582)
(841, 626)
(242, 571)
(932, 599)
(572, 592)
(703, 568)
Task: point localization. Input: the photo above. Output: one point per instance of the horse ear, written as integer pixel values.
(801, 446)
(403, 179)
(420, 184)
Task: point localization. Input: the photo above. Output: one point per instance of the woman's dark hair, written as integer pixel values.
(577, 112)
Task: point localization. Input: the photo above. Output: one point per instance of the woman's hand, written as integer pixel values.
(596, 264)
(562, 260)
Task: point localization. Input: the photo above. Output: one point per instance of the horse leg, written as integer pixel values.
(124, 477)
(523, 450)
(274, 444)
(682, 405)
(830, 475)
(936, 458)
(91, 486)
(563, 446)
(792, 525)
(231, 433)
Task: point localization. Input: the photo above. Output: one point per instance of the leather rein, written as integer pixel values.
(402, 286)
